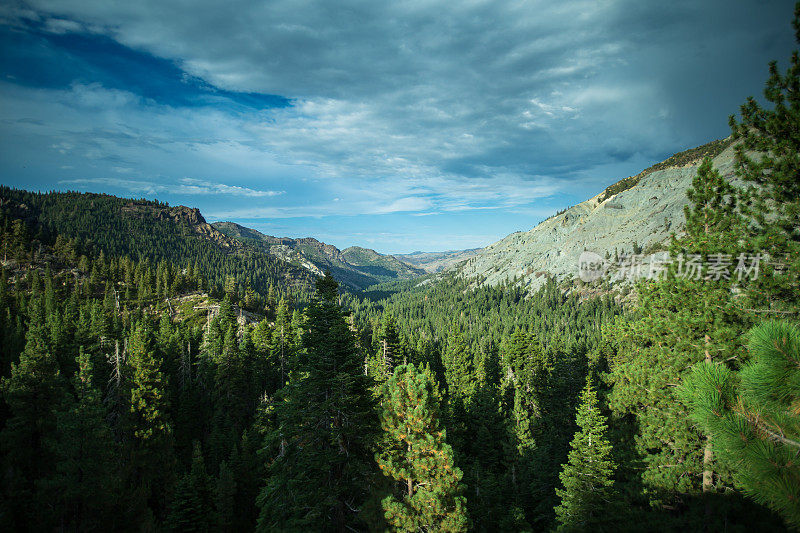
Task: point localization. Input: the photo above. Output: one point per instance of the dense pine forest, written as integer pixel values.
(158, 376)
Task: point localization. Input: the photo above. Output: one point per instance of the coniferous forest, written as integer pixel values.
(156, 380)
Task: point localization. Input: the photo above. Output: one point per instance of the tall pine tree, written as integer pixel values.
(34, 391)
(327, 423)
(588, 475)
(152, 444)
(85, 481)
(752, 416)
(428, 493)
(686, 317)
(768, 158)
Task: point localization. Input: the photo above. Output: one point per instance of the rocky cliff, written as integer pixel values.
(638, 214)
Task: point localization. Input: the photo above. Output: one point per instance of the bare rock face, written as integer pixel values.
(191, 215)
(328, 251)
(643, 216)
(181, 215)
(185, 216)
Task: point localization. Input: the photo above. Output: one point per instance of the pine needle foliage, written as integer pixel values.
(753, 416)
(768, 158)
(327, 424)
(428, 493)
(588, 475)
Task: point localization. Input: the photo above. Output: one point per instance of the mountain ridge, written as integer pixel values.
(434, 262)
(355, 266)
(637, 213)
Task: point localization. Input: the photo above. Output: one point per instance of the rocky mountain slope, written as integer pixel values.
(437, 261)
(354, 266)
(636, 214)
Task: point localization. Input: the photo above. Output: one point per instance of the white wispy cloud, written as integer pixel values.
(195, 186)
(185, 186)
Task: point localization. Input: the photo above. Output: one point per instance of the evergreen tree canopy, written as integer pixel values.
(428, 492)
(587, 478)
(327, 425)
(768, 157)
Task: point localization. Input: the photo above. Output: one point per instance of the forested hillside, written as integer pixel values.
(160, 375)
(355, 267)
(155, 232)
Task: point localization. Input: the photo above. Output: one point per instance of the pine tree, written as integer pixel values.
(752, 416)
(191, 506)
(428, 494)
(225, 499)
(484, 452)
(389, 350)
(587, 477)
(266, 372)
(327, 424)
(152, 445)
(768, 157)
(686, 317)
(282, 342)
(523, 445)
(459, 370)
(118, 391)
(34, 391)
(227, 318)
(249, 472)
(84, 482)
(231, 412)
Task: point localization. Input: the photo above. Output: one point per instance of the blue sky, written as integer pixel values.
(398, 126)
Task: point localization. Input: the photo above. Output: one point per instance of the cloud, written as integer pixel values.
(412, 87)
(195, 186)
(410, 203)
(391, 107)
(186, 186)
(423, 194)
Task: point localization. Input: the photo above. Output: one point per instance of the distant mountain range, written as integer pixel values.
(437, 261)
(637, 214)
(354, 266)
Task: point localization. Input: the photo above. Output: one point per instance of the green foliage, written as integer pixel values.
(327, 423)
(276, 426)
(682, 319)
(713, 224)
(148, 400)
(151, 446)
(191, 508)
(85, 484)
(389, 352)
(153, 231)
(427, 495)
(225, 499)
(33, 392)
(587, 497)
(768, 157)
(752, 416)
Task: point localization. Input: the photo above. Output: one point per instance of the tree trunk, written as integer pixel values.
(707, 455)
(410, 481)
